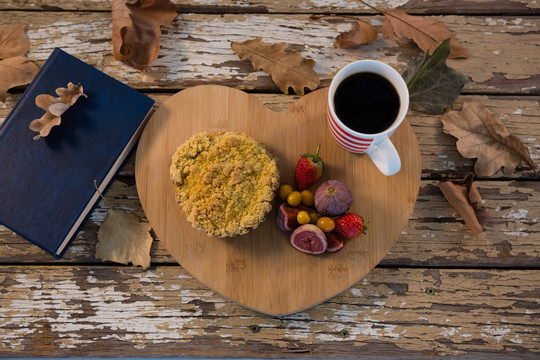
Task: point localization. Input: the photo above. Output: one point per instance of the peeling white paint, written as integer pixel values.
(520, 214)
(356, 292)
(449, 332)
(332, 4)
(498, 333)
(516, 233)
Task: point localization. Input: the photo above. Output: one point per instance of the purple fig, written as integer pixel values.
(333, 198)
(310, 239)
(335, 242)
(286, 216)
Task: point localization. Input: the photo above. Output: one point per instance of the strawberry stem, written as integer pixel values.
(318, 148)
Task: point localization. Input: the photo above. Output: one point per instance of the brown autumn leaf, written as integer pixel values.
(287, 69)
(13, 41)
(464, 197)
(122, 238)
(482, 135)
(361, 33)
(54, 108)
(15, 71)
(137, 29)
(427, 33)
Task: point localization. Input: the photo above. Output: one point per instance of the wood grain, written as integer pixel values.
(261, 270)
(430, 236)
(440, 158)
(393, 313)
(523, 7)
(196, 49)
(435, 235)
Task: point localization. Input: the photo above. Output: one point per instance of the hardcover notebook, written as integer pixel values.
(47, 185)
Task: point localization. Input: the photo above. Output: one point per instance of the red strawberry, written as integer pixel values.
(350, 225)
(309, 168)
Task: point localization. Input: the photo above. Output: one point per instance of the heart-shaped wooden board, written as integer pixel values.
(260, 270)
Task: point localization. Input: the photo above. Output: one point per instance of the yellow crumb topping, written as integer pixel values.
(224, 182)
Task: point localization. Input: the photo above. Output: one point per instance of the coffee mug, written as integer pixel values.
(367, 101)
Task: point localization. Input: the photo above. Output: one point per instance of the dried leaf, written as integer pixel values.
(54, 108)
(427, 33)
(122, 238)
(482, 135)
(361, 33)
(464, 197)
(15, 71)
(433, 86)
(288, 69)
(13, 41)
(137, 29)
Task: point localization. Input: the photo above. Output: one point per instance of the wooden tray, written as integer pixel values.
(261, 270)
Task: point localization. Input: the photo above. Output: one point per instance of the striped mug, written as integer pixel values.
(375, 143)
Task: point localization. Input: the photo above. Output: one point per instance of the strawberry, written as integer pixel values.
(350, 225)
(309, 168)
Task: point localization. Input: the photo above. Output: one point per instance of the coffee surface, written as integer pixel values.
(366, 102)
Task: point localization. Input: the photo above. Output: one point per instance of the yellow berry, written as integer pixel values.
(294, 198)
(303, 217)
(326, 224)
(284, 191)
(314, 217)
(307, 198)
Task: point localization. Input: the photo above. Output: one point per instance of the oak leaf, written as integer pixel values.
(361, 33)
(137, 29)
(15, 71)
(287, 69)
(427, 33)
(54, 108)
(465, 198)
(482, 135)
(13, 41)
(122, 238)
(433, 86)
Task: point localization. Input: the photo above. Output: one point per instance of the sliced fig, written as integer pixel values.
(310, 239)
(286, 216)
(335, 242)
(333, 198)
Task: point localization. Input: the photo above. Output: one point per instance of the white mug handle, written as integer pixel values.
(385, 156)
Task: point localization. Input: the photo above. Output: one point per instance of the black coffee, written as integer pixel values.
(366, 102)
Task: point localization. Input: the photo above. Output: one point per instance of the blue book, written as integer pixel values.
(47, 185)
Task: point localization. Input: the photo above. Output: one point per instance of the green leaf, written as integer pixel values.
(433, 86)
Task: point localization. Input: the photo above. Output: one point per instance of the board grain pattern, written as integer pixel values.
(196, 49)
(261, 270)
(104, 311)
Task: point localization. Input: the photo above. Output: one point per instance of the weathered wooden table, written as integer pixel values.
(440, 293)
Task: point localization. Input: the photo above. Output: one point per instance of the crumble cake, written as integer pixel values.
(225, 182)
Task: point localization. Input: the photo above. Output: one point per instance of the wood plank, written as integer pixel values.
(414, 313)
(440, 158)
(434, 236)
(430, 237)
(523, 7)
(196, 48)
